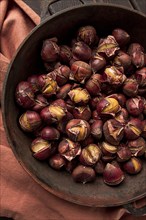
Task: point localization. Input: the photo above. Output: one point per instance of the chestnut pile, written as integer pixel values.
(86, 112)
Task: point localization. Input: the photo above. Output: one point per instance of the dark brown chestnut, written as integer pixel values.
(143, 134)
(57, 162)
(123, 153)
(69, 149)
(99, 167)
(50, 133)
(108, 149)
(130, 87)
(81, 51)
(81, 71)
(122, 116)
(82, 112)
(122, 59)
(83, 174)
(65, 54)
(121, 36)
(63, 91)
(29, 121)
(113, 175)
(119, 97)
(97, 129)
(25, 95)
(87, 34)
(50, 50)
(133, 129)
(40, 103)
(113, 131)
(135, 106)
(77, 129)
(42, 149)
(137, 147)
(90, 155)
(133, 166)
(93, 84)
(140, 76)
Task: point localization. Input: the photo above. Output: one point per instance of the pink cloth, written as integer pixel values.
(21, 198)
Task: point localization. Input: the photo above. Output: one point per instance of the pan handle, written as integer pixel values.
(49, 7)
(135, 211)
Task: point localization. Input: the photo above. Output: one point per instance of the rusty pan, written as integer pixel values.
(27, 61)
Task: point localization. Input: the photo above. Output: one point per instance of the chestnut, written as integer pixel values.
(99, 167)
(108, 106)
(50, 50)
(122, 60)
(137, 146)
(69, 149)
(42, 149)
(122, 116)
(83, 174)
(81, 71)
(29, 121)
(135, 106)
(33, 80)
(81, 51)
(90, 155)
(87, 141)
(79, 96)
(143, 134)
(133, 129)
(57, 162)
(52, 113)
(24, 95)
(121, 36)
(108, 46)
(87, 34)
(97, 129)
(63, 91)
(130, 87)
(50, 133)
(113, 76)
(119, 97)
(65, 54)
(82, 112)
(123, 153)
(49, 85)
(70, 165)
(113, 131)
(61, 125)
(140, 76)
(40, 103)
(61, 74)
(77, 129)
(93, 84)
(108, 149)
(113, 175)
(97, 62)
(133, 166)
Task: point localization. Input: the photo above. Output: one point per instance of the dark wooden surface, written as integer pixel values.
(59, 5)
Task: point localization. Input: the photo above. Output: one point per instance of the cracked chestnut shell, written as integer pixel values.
(81, 71)
(77, 129)
(130, 87)
(113, 131)
(137, 147)
(133, 129)
(30, 121)
(83, 174)
(90, 155)
(93, 84)
(42, 149)
(113, 175)
(69, 149)
(82, 112)
(87, 34)
(123, 153)
(24, 95)
(108, 149)
(108, 106)
(97, 129)
(135, 106)
(81, 51)
(133, 166)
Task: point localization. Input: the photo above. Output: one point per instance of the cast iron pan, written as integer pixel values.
(27, 61)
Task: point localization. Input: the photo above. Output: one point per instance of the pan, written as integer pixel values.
(27, 61)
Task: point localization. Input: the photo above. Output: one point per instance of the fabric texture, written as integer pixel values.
(21, 198)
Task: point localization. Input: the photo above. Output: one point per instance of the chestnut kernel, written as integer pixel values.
(137, 147)
(79, 96)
